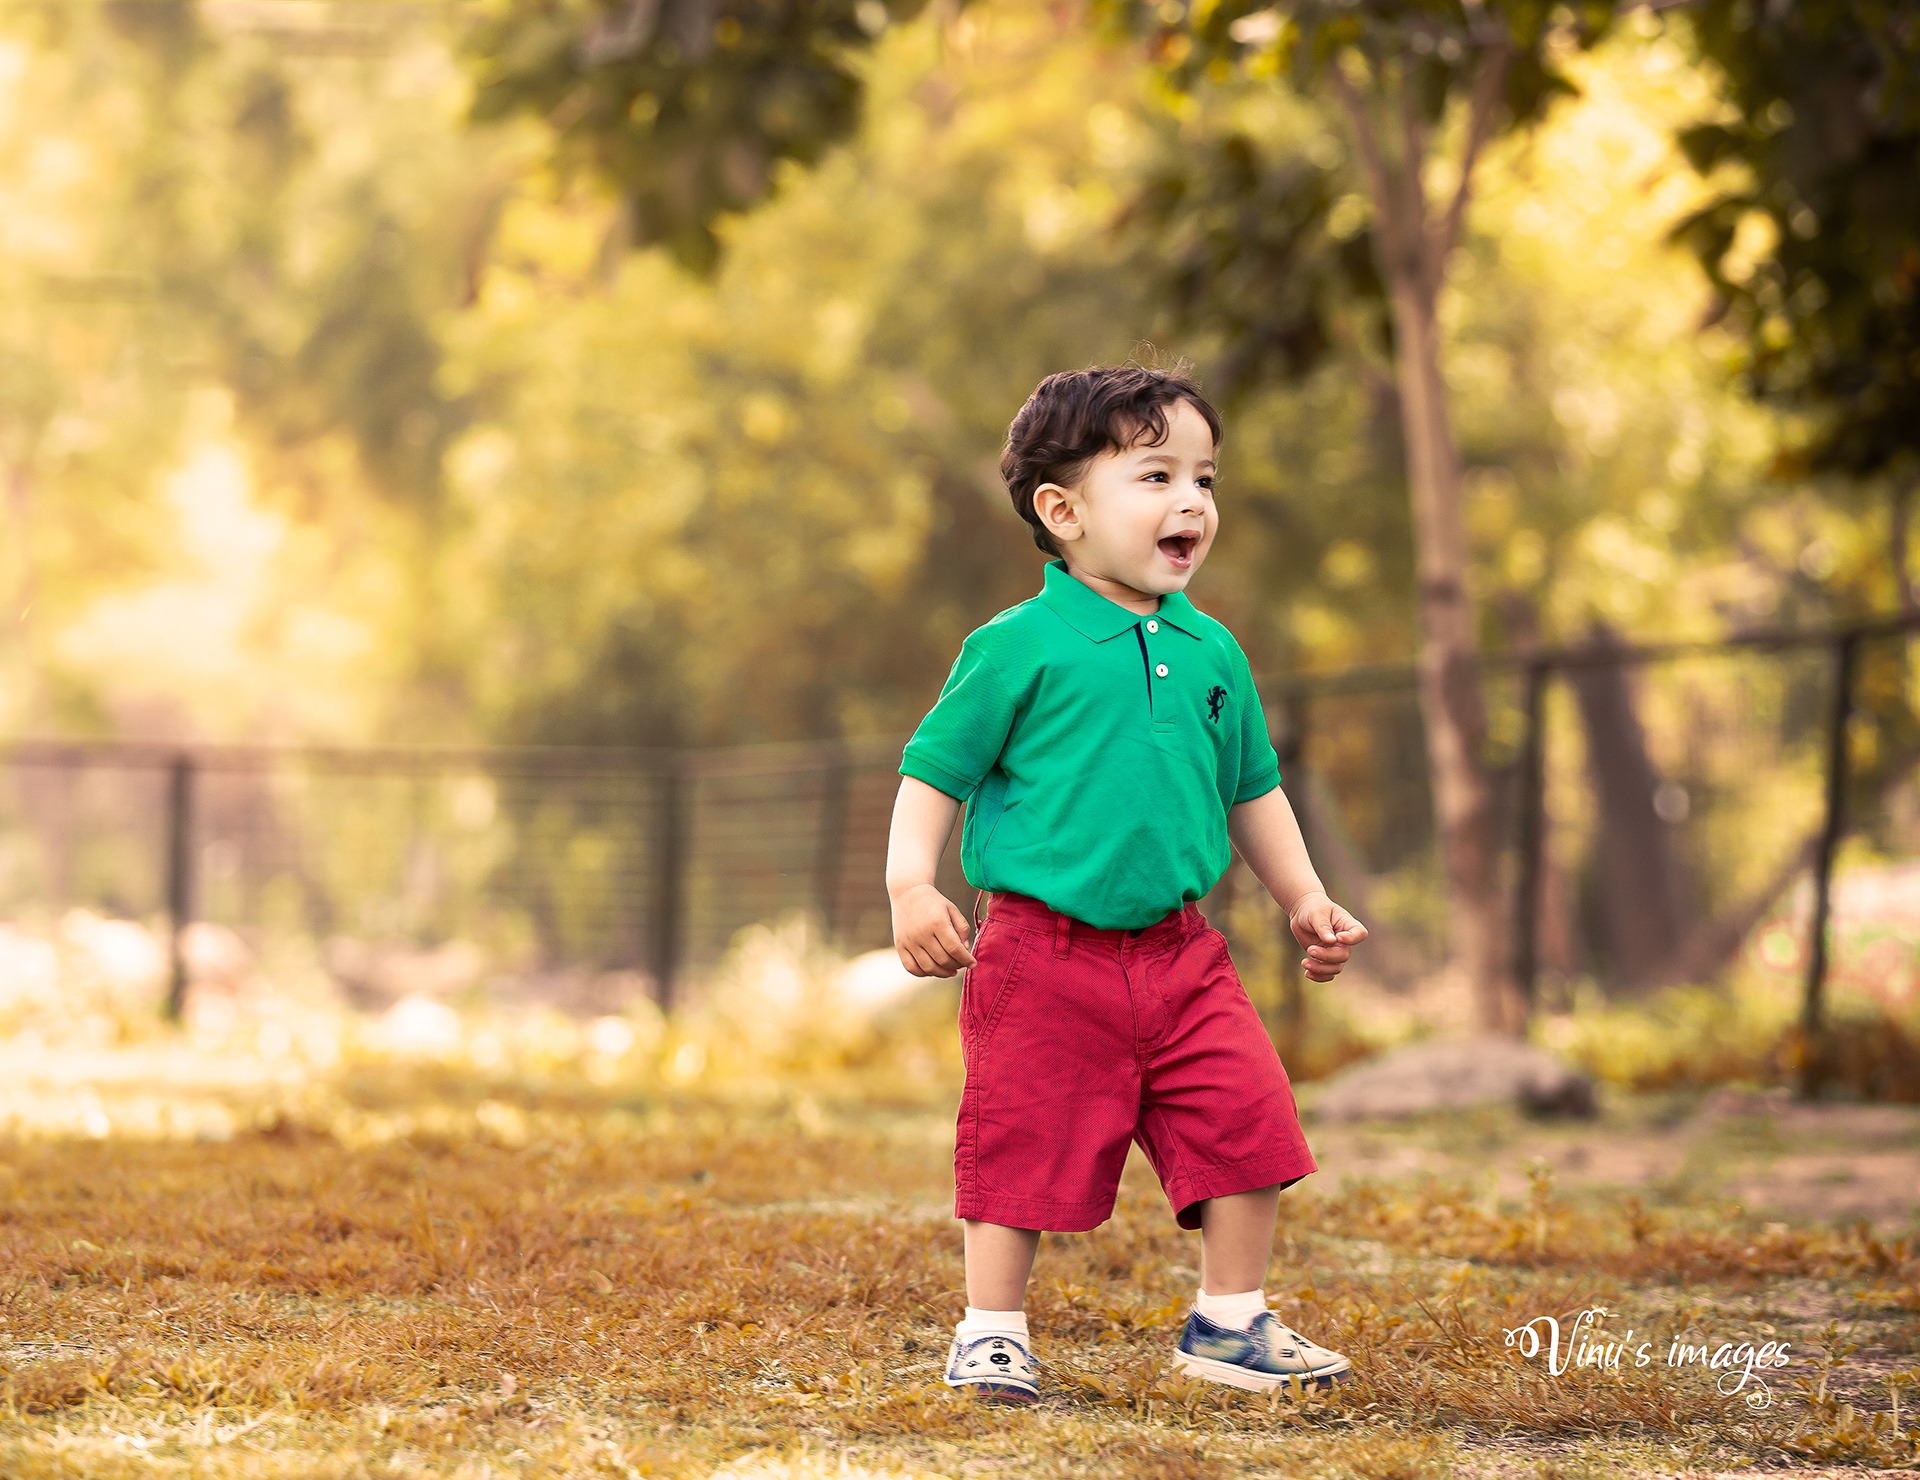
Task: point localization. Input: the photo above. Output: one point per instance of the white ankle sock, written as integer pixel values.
(993, 1323)
(1235, 1312)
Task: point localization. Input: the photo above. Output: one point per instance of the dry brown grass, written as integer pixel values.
(409, 1280)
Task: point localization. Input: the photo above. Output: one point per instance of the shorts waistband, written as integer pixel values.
(1023, 912)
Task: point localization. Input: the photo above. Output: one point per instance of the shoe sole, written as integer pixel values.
(1215, 1370)
(1002, 1394)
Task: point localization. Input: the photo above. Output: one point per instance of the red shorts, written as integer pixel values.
(1079, 1040)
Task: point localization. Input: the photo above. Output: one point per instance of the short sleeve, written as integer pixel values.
(1259, 766)
(967, 728)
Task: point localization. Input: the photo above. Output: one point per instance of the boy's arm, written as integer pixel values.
(1268, 837)
(929, 931)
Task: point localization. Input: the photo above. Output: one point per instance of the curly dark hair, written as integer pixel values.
(1074, 416)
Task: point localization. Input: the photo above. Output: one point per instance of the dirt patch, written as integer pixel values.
(1776, 1158)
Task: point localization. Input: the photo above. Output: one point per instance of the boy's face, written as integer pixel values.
(1142, 519)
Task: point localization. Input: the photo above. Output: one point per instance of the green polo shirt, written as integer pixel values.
(1098, 752)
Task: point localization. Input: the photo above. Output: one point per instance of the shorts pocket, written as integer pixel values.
(1220, 968)
(989, 985)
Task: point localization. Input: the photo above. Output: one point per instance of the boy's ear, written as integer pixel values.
(1058, 511)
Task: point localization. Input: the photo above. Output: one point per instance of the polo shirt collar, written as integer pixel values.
(1096, 618)
(1177, 611)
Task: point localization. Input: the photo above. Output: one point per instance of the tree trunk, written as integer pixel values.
(1451, 701)
(1899, 522)
(1413, 243)
(1644, 886)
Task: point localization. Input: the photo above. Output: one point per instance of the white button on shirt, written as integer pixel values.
(1161, 670)
(1153, 626)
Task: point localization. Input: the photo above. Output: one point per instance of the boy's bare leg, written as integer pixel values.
(992, 1353)
(999, 1262)
(1236, 1241)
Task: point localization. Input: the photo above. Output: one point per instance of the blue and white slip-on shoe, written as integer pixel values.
(1267, 1355)
(995, 1369)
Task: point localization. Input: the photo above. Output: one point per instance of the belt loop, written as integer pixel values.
(1062, 934)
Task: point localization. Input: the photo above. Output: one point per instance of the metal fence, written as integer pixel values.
(561, 860)
(1665, 812)
(1657, 806)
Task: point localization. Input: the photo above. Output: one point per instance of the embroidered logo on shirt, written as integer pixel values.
(1216, 696)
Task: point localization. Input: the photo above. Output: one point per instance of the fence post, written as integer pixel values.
(1293, 771)
(669, 876)
(1533, 808)
(1813, 1037)
(179, 878)
(831, 844)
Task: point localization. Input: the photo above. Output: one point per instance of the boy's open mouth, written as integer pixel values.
(1179, 548)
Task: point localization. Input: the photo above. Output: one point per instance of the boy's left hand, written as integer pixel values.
(1328, 932)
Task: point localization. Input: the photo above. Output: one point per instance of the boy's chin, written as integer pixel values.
(1164, 582)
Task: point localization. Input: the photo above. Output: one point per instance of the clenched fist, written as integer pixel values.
(929, 932)
(1328, 932)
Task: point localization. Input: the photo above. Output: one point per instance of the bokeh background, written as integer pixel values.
(489, 487)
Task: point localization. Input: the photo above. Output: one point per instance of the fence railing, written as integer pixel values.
(1657, 804)
(1658, 801)
(637, 861)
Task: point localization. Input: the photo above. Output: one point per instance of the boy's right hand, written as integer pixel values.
(929, 932)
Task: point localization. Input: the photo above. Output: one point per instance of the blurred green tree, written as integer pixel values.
(1812, 238)
(1242, 239)
(87, 383)
(305, 289)
(1405, 75)
(684, 108)
(764, 505)
(232, 202)
(1812, 243)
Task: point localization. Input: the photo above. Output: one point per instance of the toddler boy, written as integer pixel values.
(1108, 742)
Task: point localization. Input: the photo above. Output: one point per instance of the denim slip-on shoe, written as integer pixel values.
(1265, 1356)
(995, 1369)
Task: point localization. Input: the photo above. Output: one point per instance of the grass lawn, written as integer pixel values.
(411, 1275)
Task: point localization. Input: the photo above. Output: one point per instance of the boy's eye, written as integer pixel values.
(1205, 481)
